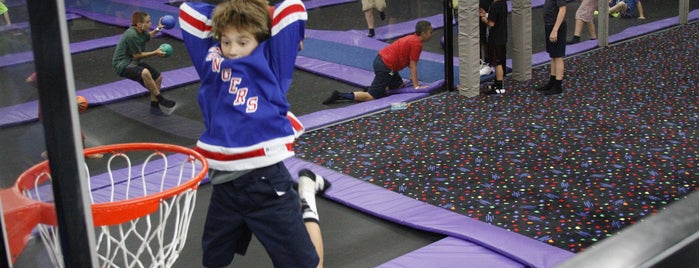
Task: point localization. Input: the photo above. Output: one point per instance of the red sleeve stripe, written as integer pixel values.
(295, 124)
(286, 15)
(194, 22)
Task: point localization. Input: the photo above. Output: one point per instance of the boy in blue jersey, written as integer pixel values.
(246, 63)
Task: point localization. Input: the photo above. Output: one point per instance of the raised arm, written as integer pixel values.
(195, 21)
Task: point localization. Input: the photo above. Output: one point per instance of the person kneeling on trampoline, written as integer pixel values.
(129, 53)
(246, 64)
(391, 59)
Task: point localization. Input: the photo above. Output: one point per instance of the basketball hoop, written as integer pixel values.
(141, 213)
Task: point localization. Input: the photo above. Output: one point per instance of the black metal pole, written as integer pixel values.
(52, 61)
(448, 45)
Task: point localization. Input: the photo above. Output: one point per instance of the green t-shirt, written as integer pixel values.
(130, 43)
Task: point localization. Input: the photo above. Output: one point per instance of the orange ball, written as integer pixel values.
(82, 103)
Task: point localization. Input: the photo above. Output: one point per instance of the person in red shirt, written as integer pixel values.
(404, 52)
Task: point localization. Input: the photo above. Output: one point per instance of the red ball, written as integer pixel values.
(82, 103)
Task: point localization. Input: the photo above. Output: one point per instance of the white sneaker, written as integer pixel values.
(485, 69)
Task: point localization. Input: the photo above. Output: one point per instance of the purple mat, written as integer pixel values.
(311, 4)
(102, 94)
(24, 57)
(403, 210)
(628, 33)
(156, 5)
(331, 116)
(25, 25)
(452, 252)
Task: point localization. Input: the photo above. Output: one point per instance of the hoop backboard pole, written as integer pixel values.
(49, 33)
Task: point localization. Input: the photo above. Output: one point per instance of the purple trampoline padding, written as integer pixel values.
(452, 252)
(628, 33)
(123, 22)
(24, 57)
(331, 116)
(403, 210)
(311, 4)
(157, 5)
(24, 25)
(102, 94)
(351, 75)
(403, 28)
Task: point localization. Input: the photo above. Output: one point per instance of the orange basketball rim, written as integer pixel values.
(23, 212)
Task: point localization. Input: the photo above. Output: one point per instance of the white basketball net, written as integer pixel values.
(154, 240)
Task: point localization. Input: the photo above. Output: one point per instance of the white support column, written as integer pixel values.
(521, 39)
(469, 55)
(684, 12)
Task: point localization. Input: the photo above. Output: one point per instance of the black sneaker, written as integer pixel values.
(494, 91)
(544, 87)
(335, 96)
(371, 33)
(553, 91)
(575, 40)
(165, 102)
(382, 14)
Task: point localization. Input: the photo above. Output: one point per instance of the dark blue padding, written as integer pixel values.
(403, 210)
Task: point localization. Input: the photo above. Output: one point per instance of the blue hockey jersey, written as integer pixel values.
(243, 101)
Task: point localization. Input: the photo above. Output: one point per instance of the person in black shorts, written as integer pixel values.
(128, 58)
(485, 68)
(555, 27)
(496, 20)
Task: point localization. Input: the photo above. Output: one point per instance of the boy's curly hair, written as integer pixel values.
(244, 15)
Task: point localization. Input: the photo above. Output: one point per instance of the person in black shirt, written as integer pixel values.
(555, 27)
(496, 20)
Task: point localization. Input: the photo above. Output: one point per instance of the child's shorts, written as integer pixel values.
(557, 49)
(3, 8)
(261, 202)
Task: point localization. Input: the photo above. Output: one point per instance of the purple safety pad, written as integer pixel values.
(312, 4)
(24, 57)
(400, 209)
(452, 252)
(101, 94)
(628, 33)
(331, 116)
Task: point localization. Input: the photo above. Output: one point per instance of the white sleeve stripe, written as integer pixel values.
(289, 19)
(198, 18)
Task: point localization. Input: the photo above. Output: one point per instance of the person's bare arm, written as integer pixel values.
(559, 20)
(147, 54)
(157, 29)
(413, 74)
